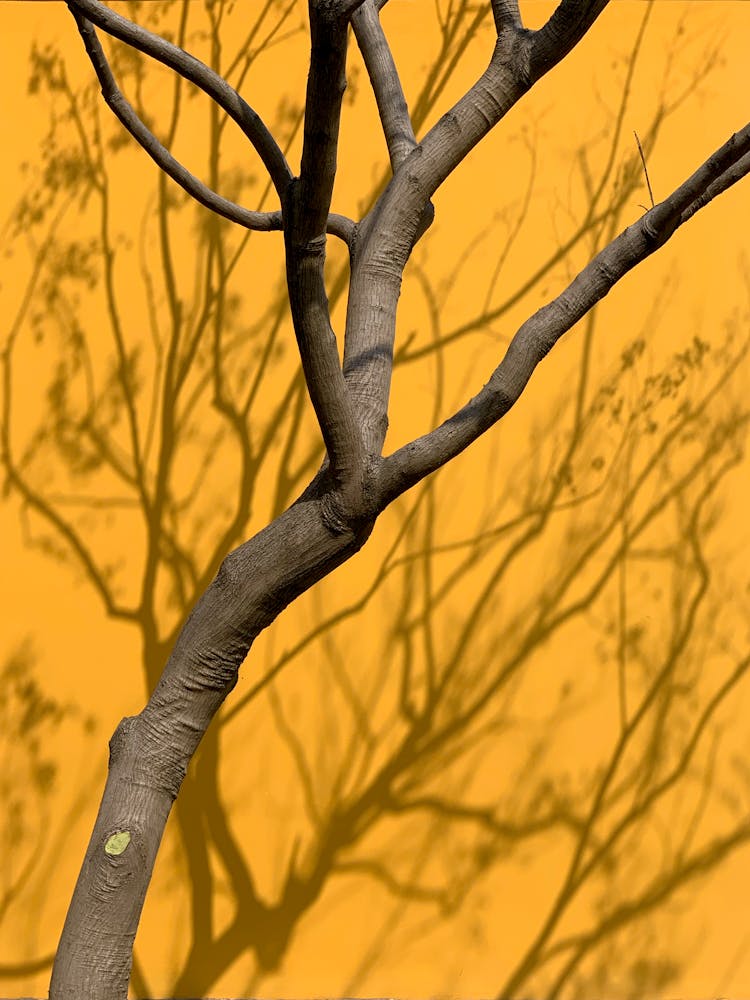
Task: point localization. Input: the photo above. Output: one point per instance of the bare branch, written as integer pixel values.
(326, 83)
(320, 360)
(126, 114)
(197, 73)
(337, 225)
(564, 30)
(725, 180)
(341, 226)
(520, 59)
(388, 234)
(645, 168)
(305, 218)
(394, 114)
(506, 14)
(541, 331)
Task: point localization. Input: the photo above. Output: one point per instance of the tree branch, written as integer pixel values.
(376, 52)
(521, 57)
(326, 83)
(198, 73)
(337, 225)
(564, 30)
(541, 331)
(305, 216)
(739, 169)
(126, 114)
(506, 14)
(389, 233)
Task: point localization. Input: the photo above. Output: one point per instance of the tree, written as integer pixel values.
(336, 512)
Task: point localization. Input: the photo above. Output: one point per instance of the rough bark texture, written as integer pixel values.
(150, 753)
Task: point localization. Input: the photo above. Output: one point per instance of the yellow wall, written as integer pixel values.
(548, 734)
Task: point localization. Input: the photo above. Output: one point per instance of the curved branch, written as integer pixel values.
(563, 31)
(540, 332)
(389, 95)
(125, 113)
(390, 231)
(198, 73)
(341, 226)
(338, 225)
(305, 217)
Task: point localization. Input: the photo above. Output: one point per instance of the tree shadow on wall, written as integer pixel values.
(424, 761)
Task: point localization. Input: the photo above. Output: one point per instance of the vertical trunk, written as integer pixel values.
(150, 753)
(95, 953)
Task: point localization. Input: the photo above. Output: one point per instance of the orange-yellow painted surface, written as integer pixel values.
(632, 580)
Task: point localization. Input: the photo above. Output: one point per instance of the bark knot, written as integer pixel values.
(352, 515)
(121, 736)
(333, 514)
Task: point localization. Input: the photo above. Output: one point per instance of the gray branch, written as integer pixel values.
(337, 225)
(386, 85)
(127, 115)
(305, 217)
(540, 332)
(198, 73)
(390, 231)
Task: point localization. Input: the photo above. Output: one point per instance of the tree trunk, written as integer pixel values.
(150, 753)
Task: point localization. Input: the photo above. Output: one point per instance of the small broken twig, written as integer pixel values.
(645, 168)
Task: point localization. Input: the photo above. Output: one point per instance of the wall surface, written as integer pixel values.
(572, 593)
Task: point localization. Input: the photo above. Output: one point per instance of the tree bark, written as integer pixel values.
(150, 753)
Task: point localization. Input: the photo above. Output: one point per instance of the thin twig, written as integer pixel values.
(645, 168)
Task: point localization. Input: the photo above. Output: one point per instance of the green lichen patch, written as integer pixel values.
(117, 843)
